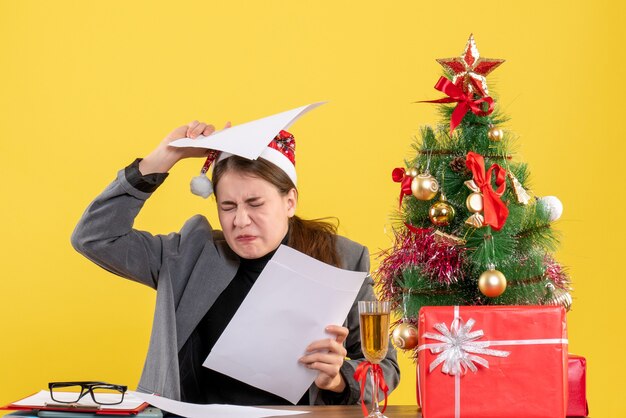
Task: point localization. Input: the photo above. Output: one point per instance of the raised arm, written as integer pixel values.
(105, 232)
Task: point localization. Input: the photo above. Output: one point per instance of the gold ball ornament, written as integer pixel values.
(492, 283)
(495, 134)
(441, 213)
(474, 202)
(412, 172)
(424, 186)
(404, 336)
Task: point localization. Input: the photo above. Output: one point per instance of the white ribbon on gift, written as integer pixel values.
(458, 350)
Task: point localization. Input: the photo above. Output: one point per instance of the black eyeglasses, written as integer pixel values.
(102, 393)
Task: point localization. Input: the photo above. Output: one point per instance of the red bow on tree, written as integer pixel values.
(399, 175)
(361, 376)
(465, 102)
(494, 208)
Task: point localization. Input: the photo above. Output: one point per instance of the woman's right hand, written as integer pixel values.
(164, 157)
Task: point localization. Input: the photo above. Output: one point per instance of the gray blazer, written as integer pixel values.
(189, 270)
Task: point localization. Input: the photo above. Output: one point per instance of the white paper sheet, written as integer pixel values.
(243, 139)
(191, 410)
(43, 398)
(291, 303)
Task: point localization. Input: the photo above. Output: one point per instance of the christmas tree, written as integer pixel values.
(469, 230)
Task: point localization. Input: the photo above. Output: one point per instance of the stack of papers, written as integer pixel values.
(137, 401)
(191, 410)
(43, 401)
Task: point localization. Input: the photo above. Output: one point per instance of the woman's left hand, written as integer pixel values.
(326, 356)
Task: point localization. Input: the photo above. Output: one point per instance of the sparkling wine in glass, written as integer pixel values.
(374, 322)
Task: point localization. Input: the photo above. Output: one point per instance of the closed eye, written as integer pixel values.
(255, 202)
(226, 206)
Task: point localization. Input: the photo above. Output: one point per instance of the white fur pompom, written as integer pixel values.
(201, 186)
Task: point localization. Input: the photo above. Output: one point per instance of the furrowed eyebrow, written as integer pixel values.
(249, 200)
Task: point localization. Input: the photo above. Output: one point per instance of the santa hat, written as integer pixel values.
(263, 138)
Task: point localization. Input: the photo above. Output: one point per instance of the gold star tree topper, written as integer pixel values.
(470, 70)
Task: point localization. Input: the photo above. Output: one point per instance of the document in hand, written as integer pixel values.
(291, 303)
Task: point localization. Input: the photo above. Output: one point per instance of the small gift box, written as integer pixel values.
(492, 362)
(577, 382)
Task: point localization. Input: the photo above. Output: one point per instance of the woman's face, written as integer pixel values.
(253, 214)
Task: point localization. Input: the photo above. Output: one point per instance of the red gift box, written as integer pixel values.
(492, 361)
(577, 382)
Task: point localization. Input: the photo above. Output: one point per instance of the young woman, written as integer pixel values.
(202, 275)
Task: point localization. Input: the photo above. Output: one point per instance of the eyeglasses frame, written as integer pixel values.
(85, 388)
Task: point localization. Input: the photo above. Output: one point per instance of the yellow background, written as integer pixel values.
(88, 86)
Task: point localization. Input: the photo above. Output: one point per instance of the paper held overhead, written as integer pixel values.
(249, 139)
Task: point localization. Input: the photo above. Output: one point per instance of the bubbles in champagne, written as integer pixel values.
(374, 336)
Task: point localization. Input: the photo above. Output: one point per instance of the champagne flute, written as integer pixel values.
(374, 323)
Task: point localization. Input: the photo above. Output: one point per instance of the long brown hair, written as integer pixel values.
(314, 237)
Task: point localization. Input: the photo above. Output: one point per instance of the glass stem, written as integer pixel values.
(374, 392)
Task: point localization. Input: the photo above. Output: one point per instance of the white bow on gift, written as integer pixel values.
(458, 348)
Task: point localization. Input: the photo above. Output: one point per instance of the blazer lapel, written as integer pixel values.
(215, 269)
